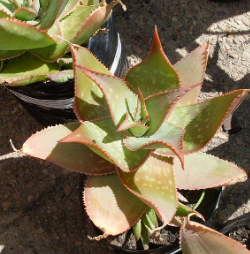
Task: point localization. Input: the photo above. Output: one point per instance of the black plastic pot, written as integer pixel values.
(154, 249)
(51, 103)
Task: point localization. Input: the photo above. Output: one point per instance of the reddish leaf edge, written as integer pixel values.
(155, 42)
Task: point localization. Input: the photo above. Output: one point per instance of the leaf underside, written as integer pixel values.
(197, 238)
(73, 156)
(110, 205)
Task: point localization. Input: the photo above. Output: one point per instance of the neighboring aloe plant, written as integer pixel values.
(31, 36)
(138, 140)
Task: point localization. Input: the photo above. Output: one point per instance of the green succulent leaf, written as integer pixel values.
(89, 100)
(155, 74)
(197, 238)
(201, 120)
(26, 69)
(110, 205)
(119, 97)
(101, 137)
(24, 14)
(137, 230)
(154, 184)
(72, 23)
(8, 6)
(73, 156)
(3, 14)
(62, 76)
(202, 171)
(50, 13)
(70, 6)
(7, 54)
(169, 137)
(191, 70)
(16, 35)
(163, 104)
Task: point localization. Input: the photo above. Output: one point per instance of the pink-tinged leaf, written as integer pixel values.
(94, 22)
(7, 54)
(197, 238)
(24, 37)
(26, 69)
(154, 184)
(89, 100)
(110, 205)
(119, 97)
(202, 171)
(128, 127)
(73, 156)
(163, 104)
(155, 74)
(201, 120)
(24, 14)
(101, 137)
(168, 137)
(191, 70)
(72, 23)
(70, 6)
(51, 14)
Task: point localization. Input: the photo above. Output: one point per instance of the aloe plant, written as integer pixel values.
(139, 140)
(34, 36)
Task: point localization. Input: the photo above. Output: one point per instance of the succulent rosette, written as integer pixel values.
(138, 140)
(34, 36)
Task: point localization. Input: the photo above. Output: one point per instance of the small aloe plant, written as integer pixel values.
(33, 34)
(138, 140)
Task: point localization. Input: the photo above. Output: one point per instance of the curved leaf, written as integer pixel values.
(89, 100)
(168, 137)
(71, 4)
(191, 70)
(201, 120)
(154, 184)
(110, 205)
(16, 35)
(197, 238)
(202, 171)
(26, 69)
(73, 156)
(155, 74)
(101, 137)
(7, 54)
(25, 14)
(119, 97)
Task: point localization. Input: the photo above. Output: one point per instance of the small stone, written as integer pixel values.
(78, 243)
(66, 189)
(174, 19)
(246, 21)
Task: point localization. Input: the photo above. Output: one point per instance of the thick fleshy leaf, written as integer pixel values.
(110, 205)
(163, 104)
(154, 184)
(50, 15)
(3, 14)
(197, 238)
(25, 14)
(201, 120)
(72, 23)
(89, 100)
(62, 76)
(26, 69)
(92, 24)
(71, 4)
(118, 95)
(16, 35)
(191, 70)
(101, 137)
(202, 171)
(73, 156)
(8, 6)
(168, 137)
(7, 54)
(155, 74)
